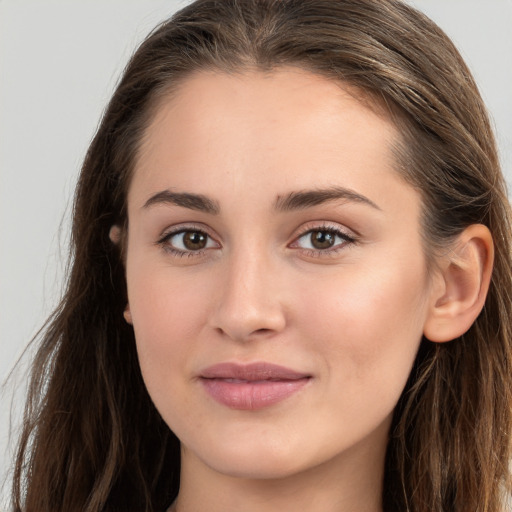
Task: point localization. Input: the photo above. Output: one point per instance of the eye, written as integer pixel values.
(323, 239)
(188, 241)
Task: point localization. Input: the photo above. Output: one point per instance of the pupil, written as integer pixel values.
(322, 239)
(194, 240)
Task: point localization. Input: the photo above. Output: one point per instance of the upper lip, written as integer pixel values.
(251, 372)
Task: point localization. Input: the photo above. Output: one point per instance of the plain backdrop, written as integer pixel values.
(59, 63)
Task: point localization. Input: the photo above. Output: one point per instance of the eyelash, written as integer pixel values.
(347, 240)
(164, 241)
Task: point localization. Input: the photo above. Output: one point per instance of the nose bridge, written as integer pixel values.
(249, 301)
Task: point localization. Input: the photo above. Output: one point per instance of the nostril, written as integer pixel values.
(241, 320)
(257, 333)
(262, 331)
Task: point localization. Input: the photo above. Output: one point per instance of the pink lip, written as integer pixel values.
(252, 386)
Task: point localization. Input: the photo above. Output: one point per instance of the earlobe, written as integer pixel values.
(461, 285)
(128, 314)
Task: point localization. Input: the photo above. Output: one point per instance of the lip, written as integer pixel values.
(251, 386)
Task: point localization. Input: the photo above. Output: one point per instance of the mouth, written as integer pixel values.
(252, 386)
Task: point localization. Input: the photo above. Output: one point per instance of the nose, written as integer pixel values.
(250, 302)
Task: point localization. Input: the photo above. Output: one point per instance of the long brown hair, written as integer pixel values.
(92, 439)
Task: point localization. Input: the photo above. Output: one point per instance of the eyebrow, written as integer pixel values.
(303, 199)
(186, 200)
(298, 200)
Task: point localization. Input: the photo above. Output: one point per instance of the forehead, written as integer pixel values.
(264, 131)
(286, 93)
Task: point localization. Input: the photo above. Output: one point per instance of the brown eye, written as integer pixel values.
(194, 240)
(322, 239)
(188, 241)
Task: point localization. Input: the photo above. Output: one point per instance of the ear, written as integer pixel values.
(115, 234)
(115, 237)
(460, 285)
(128, 314)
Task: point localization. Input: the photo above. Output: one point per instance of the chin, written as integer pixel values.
(262, 460)
(260, 467)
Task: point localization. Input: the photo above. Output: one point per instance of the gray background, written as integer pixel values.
(59, 62)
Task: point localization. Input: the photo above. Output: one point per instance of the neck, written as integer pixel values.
(350, 481)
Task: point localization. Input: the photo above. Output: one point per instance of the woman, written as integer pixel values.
(291, 274)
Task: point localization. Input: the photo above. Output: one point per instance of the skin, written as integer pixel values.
(351, 317)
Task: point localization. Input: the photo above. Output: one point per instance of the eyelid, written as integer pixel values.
(168, 233)
(349, 236)
(186, 226)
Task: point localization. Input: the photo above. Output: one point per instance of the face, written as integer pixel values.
(277, 282)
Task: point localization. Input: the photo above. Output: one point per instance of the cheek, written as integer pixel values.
(168, 313)
(367, 323)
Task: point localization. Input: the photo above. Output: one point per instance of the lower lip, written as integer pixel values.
(252, 395)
